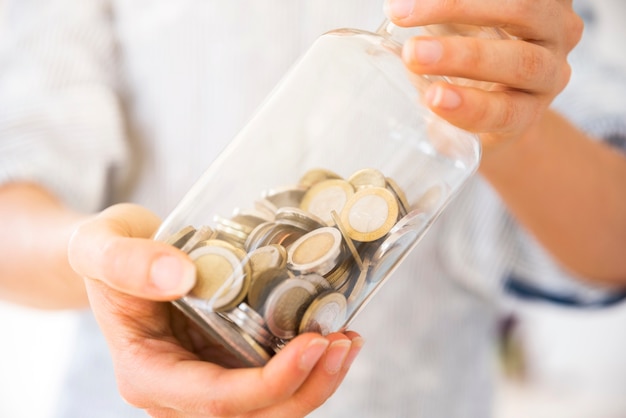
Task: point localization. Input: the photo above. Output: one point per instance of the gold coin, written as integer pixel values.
(326, 196)
(369, 214)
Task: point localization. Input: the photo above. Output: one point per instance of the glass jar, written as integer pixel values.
(309, 210)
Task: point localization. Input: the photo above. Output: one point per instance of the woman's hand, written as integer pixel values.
(162, 363)
(527, 70)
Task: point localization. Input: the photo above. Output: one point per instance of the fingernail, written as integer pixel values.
(399, 9)
(423, 51)
(336, 355)
(442, 98)
(357, 344)
(312, 353)
(172, 275)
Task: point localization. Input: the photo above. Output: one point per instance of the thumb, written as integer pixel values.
(115, 247)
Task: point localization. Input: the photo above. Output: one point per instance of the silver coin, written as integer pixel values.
(285, 306)
(325, 314)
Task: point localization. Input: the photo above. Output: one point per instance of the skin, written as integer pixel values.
(107, 261)
(563, 186)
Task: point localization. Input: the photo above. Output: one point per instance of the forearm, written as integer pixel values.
(34, 270)
(569, 191)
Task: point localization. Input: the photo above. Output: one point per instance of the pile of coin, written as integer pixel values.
(303, 258)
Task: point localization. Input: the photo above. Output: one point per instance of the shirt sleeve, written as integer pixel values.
(61, 123)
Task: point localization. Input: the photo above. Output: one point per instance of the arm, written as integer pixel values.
(564, 187)
(36, 228)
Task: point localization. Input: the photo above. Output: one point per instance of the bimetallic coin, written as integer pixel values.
(286, 305)
(358, 279)
(267, 257)
(317, 175)
(282, 234)
(247, 320)
(403, 202)
(262, 284)
(299, 218)
(267, 208)
(369, 214)
(320, 282)
(346, 238)
(202, 234)
(222, 276)
(326, 196)
(318, 251)
(341, 274)
(286, 197)
(367, 177)
(325, 314)
(181, 237)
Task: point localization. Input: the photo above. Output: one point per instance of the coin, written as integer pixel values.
(357, 281)
(347, 240)
(317, 175)
(222, 276)
(324, 197)
(248, 320)
(268, 256)
(285, 197)
(325, 314)
(202, 234)
(320, 282)
(315, 252)
(285, 306)
(262, 284)
(299, 218)
(369, 214)
(181, 237)
(403, 202)
(367, 177)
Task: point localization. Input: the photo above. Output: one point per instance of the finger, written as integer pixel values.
(516, 64)
(323, 381)
(503, 114)
(204, 388)
(527, 19)
(115, 247)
